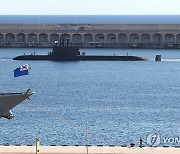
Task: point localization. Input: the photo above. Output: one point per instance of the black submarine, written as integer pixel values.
(64, 52)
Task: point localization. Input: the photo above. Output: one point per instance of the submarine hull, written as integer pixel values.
(64, 52)
(80, 57)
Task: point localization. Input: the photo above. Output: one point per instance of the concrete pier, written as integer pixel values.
(91, 35)
(91, 150)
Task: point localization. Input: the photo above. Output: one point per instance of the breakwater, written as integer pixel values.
(91, 35)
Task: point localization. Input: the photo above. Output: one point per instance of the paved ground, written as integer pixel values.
(91, 150)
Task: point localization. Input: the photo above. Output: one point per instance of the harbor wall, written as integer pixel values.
(91, 35)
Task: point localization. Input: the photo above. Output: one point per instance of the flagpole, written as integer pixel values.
(30, 84)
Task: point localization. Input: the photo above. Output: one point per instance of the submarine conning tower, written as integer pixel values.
(63, 48)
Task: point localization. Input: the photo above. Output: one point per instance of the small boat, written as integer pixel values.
(10, 100)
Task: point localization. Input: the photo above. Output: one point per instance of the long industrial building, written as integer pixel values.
(91, 35)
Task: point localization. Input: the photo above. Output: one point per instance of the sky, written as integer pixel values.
(89, 7)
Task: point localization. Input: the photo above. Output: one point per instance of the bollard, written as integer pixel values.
(37, 145)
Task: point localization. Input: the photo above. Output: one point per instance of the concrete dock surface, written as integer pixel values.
(90, 150)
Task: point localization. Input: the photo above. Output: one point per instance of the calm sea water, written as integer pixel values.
(120, 101)
(93, 19)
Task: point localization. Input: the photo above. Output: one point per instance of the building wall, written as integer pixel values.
(90, 35)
